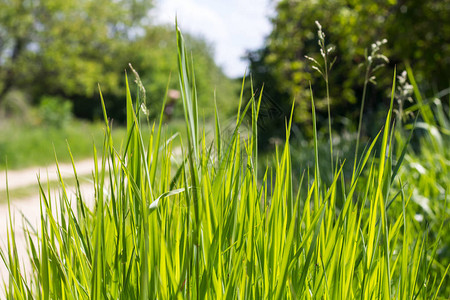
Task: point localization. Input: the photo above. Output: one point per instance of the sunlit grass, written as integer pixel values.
(201, 225)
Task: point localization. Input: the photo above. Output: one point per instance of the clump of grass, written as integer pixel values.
(202, 225)
(425, 173)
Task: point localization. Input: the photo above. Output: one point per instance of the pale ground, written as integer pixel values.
(30, 205)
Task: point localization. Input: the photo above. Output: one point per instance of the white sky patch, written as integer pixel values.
(232, 26)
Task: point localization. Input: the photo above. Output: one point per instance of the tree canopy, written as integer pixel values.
(416, 31)
(70, 44)
(65, 48)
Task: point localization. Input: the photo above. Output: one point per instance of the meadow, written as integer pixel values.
(186, 216)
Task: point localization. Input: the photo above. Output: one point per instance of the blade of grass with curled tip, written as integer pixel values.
(189, 97)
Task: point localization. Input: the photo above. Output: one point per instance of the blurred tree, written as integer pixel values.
(64, 48)
(417, 31)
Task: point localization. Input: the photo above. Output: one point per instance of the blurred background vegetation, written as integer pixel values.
(54, 53)
(63, 48)
(418, 35)
(417, 32)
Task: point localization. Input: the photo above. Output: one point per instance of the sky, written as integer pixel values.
(231, 26)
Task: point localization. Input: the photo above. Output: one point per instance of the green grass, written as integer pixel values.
(24, 145)
(425, 174)
(205, 227)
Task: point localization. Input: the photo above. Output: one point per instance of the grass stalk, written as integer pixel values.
(196, 220)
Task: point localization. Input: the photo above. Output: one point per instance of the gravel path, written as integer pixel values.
(29, 207)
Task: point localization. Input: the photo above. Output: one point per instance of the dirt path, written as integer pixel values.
(29, 206)
(26, 177)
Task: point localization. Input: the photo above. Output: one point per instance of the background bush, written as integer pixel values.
(416, 31)
(55, 111)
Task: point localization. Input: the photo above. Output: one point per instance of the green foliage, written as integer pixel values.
(32, 145)
(416, 31)
(200, 225)
(55, 111)
(425, 175)
(15, 104)
(64, 48)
